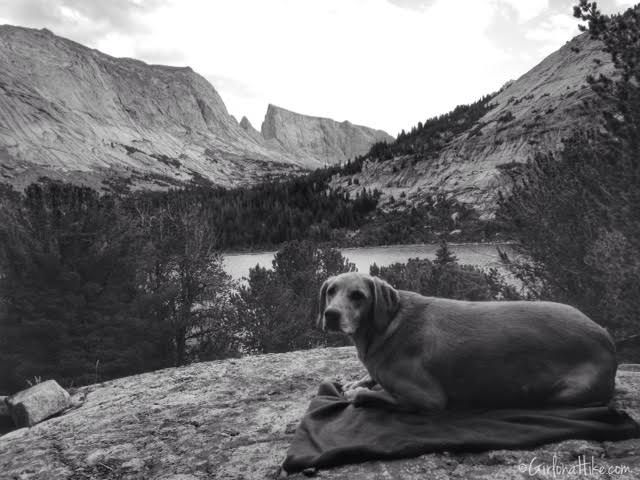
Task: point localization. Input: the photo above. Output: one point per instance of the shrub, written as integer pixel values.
(278, 307)
(445, 277)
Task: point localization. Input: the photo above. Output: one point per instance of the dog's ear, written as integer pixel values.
(384, 304)
(322, 304)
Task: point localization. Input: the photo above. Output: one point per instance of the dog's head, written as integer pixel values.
(351, 301)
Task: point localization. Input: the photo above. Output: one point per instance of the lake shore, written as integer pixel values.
(259, 251)
(480, 254)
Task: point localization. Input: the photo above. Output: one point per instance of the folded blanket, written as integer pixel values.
(334, 432)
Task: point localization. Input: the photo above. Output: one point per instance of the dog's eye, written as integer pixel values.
(331, 290)
(356, 295)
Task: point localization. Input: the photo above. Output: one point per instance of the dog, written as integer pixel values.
(429, 354)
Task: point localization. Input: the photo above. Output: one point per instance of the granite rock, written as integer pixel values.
(72, 113)
(541, 108)
(234, 419)
(37, 403)
(318, 137)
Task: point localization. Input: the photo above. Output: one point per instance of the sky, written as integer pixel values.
(385, 64)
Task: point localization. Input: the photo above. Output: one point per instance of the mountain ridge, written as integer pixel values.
(528, 116)
(74, 113)
(319, 136)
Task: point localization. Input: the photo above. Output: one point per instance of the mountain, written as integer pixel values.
(235, 419)
(74, 113)
(319, 138)
(471, 153)
(245, 124)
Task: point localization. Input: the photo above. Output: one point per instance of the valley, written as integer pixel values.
(126, 182)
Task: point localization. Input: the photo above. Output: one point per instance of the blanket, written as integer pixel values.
(334, 432)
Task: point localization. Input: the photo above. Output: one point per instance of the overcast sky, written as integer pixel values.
(382, 63)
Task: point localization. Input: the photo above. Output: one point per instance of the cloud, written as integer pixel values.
(150, 53)
(413, 4)
(234, 86)
(84, 20)
(605, 6)
(527, 9)
(529, 29)
(553, 29)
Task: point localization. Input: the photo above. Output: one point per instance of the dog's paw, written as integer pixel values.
(351, 385)
(351, 394)
(363, 382)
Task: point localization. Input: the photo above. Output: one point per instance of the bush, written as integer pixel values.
(445, 277)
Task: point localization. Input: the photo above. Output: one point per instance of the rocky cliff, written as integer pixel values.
(321, 138)
(67, 111)
(531, 114)
(234, 419)
(245, 124)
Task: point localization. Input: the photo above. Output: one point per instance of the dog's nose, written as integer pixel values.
(332, 319)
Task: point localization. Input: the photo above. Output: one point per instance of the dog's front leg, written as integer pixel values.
(375, 398)
(427, 395)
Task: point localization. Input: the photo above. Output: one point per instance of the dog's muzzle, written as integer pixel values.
(332, 320)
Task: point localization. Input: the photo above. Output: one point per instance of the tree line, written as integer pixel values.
(425, 140)
(268, 214)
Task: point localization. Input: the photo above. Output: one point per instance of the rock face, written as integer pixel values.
(245, 124)
(234, 419)
(70, 112)
(315, 137)
(532, 114)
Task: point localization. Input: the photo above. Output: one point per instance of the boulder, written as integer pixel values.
(38, 403)
(234, 419)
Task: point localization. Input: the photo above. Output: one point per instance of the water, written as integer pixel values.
(481, 255)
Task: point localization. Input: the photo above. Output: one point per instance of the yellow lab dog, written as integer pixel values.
(426, 353)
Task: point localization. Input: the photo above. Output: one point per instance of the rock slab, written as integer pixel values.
(33, 405)
(234, 419)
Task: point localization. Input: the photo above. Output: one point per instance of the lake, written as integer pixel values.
(479, 254)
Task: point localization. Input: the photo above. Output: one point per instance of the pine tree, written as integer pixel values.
(183, 271)
(71, 308)
(444, 256)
